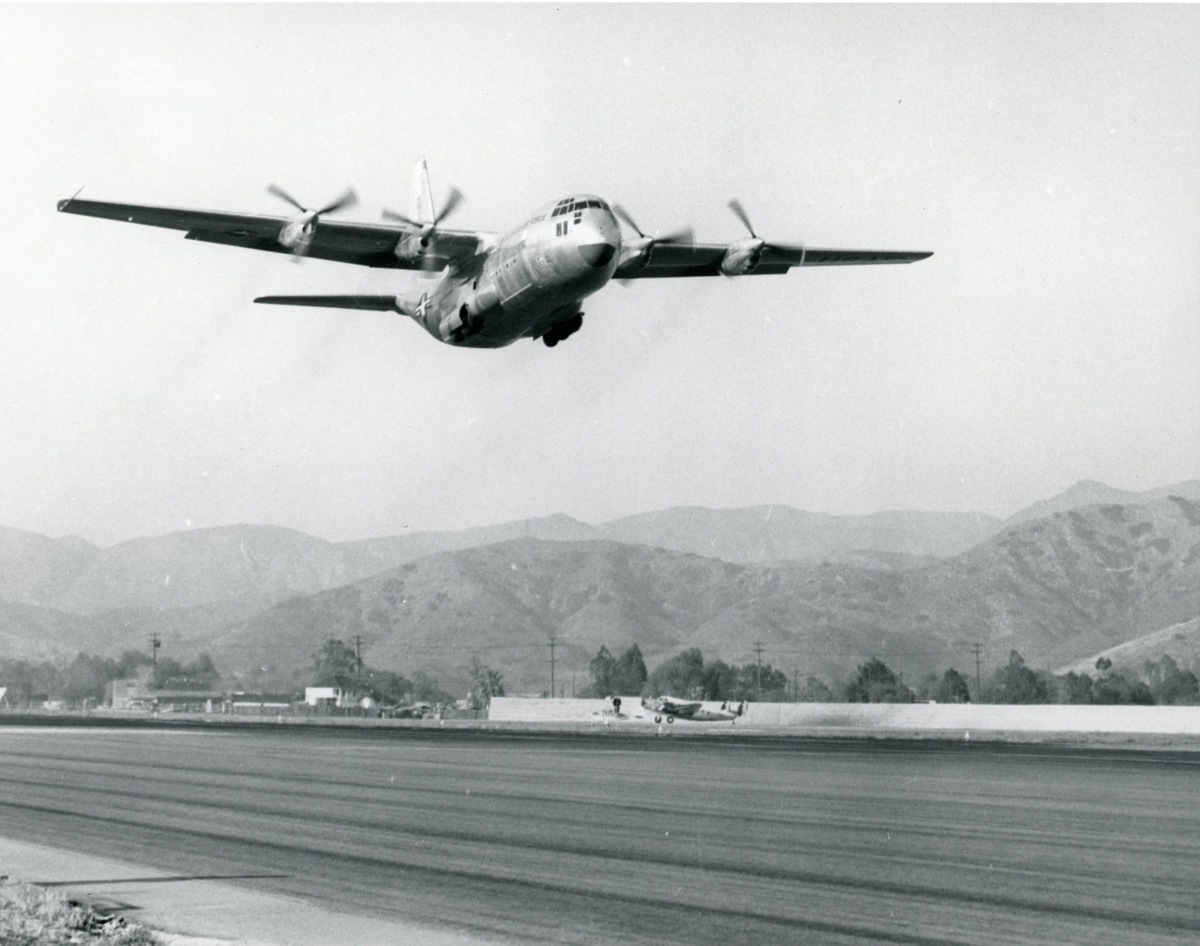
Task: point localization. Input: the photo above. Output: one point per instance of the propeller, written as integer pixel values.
(743, 256)
(453, 199)
(428, 228)
(682, 235)
(348, 199)
(736, 206)
(298, 232)
(646, 244)
(740, 212)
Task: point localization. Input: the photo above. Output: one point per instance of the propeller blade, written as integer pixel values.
(348, 199)
(284, 195)
(624, 215)
(736, 206)
(400, 218)
(682, 235)
(453, 199)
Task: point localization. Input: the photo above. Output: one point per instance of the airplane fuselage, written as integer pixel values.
(530, 283)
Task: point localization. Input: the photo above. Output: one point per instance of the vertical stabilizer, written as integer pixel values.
(422, 195)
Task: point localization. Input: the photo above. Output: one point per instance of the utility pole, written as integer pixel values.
(155, 643)
(758, 647)
(978, 691)
(553, 641)
(358, 655)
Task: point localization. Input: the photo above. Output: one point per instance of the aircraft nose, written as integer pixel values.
(596, 254)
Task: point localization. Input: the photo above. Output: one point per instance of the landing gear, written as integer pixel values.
(469, 324)
(563, 330)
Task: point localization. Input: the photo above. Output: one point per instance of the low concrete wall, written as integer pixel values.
(520, 709)
(1175, 720)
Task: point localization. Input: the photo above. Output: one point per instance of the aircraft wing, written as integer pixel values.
(704, 259)
(364, 244)
(678, 708)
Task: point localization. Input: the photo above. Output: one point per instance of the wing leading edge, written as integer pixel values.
(704, 259)
(363, 244)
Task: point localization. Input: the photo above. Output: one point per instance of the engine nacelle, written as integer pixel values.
(742, 257)
(413, 246)
(635, 254)
(298, 232)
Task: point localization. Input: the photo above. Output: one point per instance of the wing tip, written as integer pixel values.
(64, 204)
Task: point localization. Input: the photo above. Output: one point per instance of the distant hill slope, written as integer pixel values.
(1093, 493)
(185, 569)
(1073, 583)
(249, 566)
(396, 550)
(38, 570)
(504, 602)
(1058, 589)
(1180, 642)
(1054, 589)
(28, 632)
(778, 533)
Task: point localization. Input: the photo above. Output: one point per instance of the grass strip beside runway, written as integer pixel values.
(33, 916)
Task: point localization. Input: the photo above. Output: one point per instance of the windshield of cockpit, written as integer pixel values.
(572, 204)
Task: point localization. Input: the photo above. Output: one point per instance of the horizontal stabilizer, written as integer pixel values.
(360, 301)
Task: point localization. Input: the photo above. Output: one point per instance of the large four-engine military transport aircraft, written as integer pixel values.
(486, 290)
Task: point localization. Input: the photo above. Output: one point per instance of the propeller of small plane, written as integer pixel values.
(646, 243)
(298, 232)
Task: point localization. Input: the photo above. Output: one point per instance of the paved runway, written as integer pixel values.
(609, 838)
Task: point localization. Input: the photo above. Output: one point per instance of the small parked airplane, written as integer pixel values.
(493, 289)
(692, 710)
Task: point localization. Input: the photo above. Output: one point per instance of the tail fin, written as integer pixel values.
(422, 195)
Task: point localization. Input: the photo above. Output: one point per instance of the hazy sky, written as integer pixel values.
(1047, 154)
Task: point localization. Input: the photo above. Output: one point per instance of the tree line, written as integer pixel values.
(687, 675)
(86, 678)
(338, 664)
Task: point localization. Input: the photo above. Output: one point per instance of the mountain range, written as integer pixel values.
(1082, 572)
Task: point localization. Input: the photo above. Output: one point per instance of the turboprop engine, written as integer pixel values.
(742, 257)
(297, 233)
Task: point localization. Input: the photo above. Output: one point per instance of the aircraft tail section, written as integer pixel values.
(422, 194)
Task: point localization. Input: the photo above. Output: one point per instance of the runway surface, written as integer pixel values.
(611, 839)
